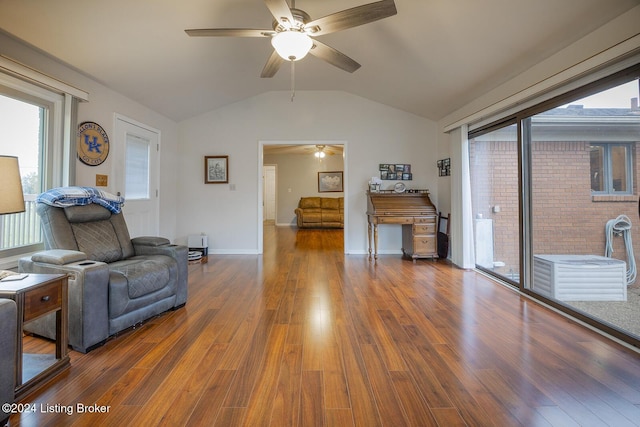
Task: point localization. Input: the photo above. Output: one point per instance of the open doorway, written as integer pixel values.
(269, 189)
(296, 169)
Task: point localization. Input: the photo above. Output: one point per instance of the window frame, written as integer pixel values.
(57, 159)
(608, 168)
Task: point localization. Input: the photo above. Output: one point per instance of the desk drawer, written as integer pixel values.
(395, 220)
(424, 245)
(422, 229)
(425, 220)
(42, 300)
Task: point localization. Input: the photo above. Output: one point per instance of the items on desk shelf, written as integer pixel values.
(374, 184)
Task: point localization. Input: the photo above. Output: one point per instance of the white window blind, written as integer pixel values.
(137, 168)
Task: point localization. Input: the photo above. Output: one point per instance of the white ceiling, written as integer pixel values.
(430, 59)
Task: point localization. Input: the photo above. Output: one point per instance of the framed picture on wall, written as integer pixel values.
(216, 169)
(395, 171)
(330, 182)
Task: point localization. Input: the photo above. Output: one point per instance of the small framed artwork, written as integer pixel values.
(330, 182)
(216, 169)
(444, 167)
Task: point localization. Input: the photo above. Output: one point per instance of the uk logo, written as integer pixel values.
(92, 145)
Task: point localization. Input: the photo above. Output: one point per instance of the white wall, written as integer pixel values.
(372, 133)
(103, 103)
(297, 176)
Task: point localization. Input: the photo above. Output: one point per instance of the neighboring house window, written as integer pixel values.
(611, 167)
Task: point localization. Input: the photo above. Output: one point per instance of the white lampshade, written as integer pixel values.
(11, 199)
(292, 45)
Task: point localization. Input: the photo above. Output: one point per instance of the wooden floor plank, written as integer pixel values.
(312, 399)
(391, 412)
(248, 371)
(260, 406)
(208, 407)
(339, 418)
(415, 408)
(306, 335)
(286, 404)
(335, 381)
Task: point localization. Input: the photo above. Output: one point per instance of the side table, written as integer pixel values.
(37, 295)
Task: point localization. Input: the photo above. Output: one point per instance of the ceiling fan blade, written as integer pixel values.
(353, 17)
(229, 32)
(333, 57)
(280, 11)
(272, 66)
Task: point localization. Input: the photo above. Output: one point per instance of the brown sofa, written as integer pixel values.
(320, 212)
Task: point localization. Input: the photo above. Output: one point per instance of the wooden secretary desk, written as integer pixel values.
(414, 211)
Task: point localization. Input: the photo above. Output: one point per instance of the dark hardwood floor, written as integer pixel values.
(308, 336)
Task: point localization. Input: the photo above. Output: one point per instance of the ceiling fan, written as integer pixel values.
(293, 34)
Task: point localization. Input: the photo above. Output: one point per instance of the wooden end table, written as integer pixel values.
(37, 295)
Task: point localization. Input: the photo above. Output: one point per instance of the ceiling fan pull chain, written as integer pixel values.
(293, 80)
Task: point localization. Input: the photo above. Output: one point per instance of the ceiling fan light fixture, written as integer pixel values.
(292, 45)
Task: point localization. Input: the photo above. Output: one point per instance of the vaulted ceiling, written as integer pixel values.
(429, 59)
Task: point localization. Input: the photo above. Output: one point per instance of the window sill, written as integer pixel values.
(11, 262)
(614, 198)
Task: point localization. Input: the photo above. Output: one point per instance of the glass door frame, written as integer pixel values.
(523, 121)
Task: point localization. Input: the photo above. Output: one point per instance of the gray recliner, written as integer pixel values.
(115, 282)
(8, 338)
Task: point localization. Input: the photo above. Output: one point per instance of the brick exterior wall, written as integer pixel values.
(567, 219)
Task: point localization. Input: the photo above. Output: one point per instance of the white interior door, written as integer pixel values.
(137, 175)
(269, 192)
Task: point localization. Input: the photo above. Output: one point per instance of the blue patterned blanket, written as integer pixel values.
(63, 197)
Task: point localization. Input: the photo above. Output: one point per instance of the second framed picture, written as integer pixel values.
(329, 182)
(216, 169)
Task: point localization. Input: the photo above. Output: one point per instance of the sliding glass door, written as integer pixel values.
(555, 202)
(493, 163)
(585, 225)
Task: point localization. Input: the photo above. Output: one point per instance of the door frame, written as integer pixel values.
(345, 182)
(118, 169)
(275, 190)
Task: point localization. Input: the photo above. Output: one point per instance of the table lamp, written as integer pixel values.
(11, 199)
